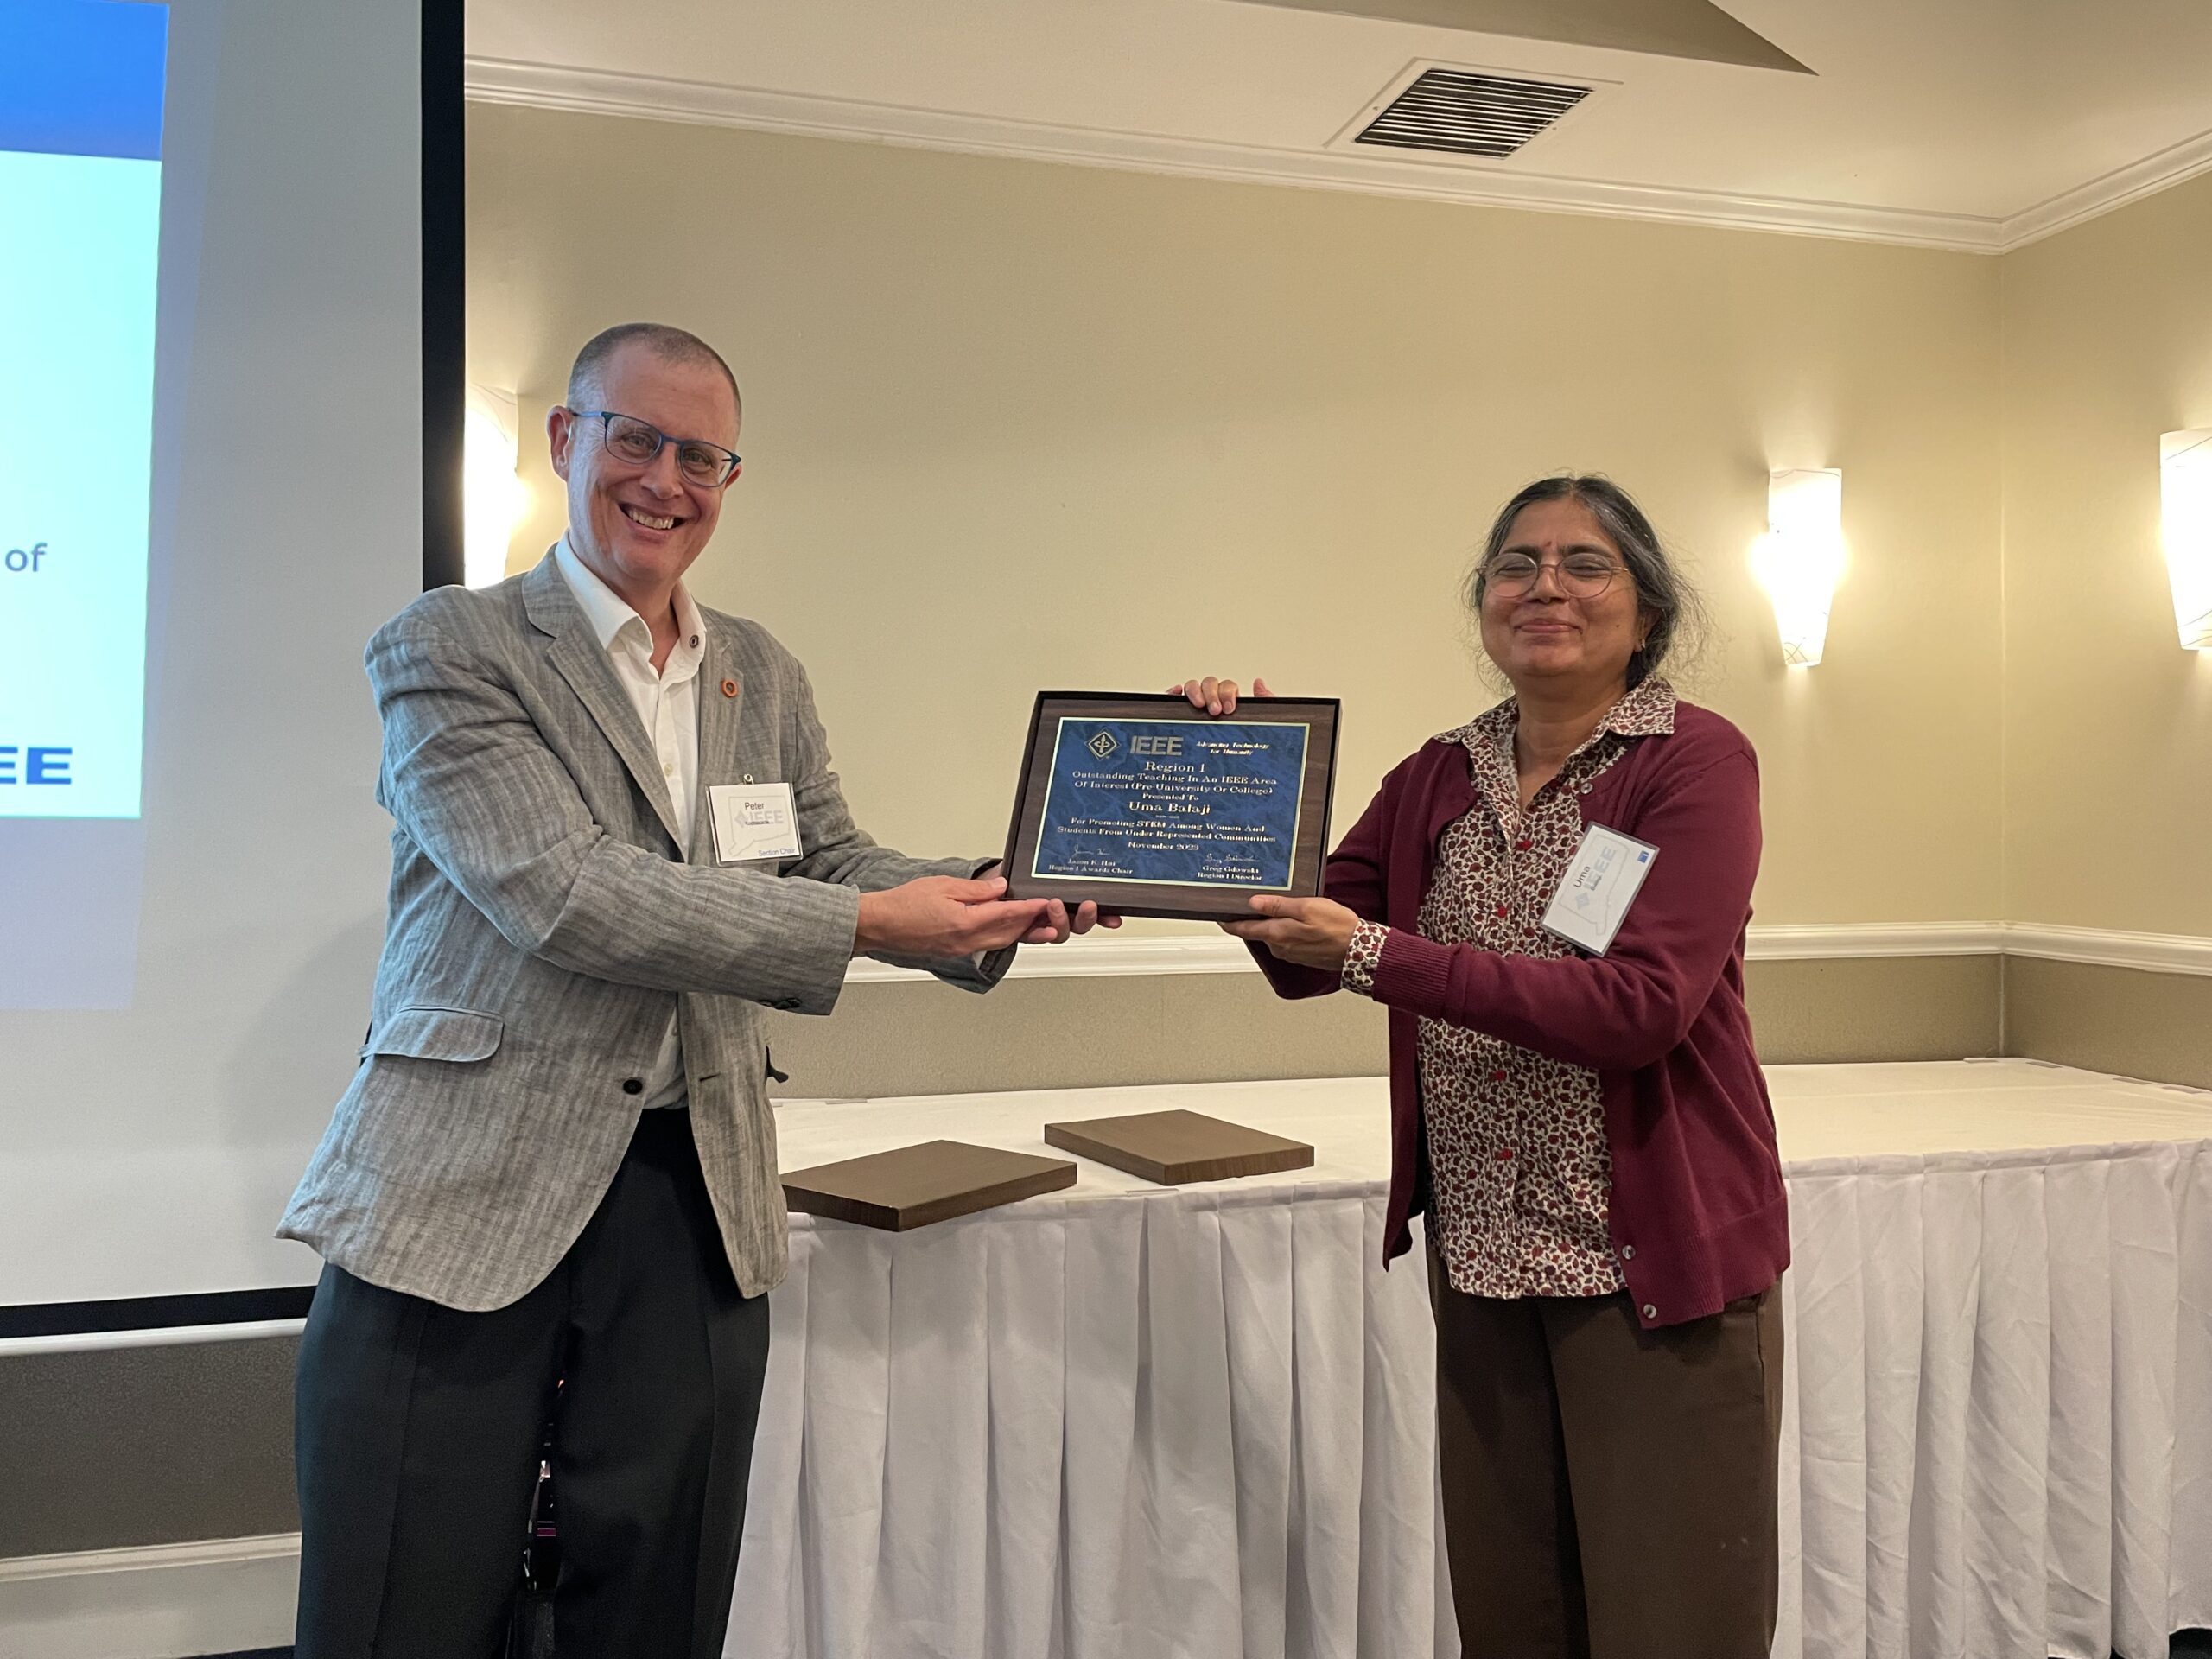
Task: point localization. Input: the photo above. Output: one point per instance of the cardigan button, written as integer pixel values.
(1649, 1312)
(633, 1085)
(1627, 1252)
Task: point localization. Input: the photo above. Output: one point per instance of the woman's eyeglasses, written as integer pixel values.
(1580, 576)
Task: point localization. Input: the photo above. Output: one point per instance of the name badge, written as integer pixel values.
(1594, 895)
(753, 821)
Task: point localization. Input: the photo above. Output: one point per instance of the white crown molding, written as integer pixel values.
(225, 1595)
(535, 85)
(2115, 189)
(596, 91)
(1106, 954)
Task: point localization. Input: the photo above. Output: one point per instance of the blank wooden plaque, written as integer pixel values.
(912, 1187)
(1174, 1148)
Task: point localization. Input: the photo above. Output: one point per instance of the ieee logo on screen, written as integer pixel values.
(21, 764)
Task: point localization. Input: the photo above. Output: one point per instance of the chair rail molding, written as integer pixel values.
(222, 1595)
(1098, 955)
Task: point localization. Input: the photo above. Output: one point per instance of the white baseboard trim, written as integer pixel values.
(159, 1601)
(1106, 954)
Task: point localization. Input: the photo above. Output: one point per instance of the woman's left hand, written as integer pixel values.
(1313, 932)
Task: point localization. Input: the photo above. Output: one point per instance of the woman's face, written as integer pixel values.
(1545, 636)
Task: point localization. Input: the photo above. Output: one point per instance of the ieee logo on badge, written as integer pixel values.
(1102, 745)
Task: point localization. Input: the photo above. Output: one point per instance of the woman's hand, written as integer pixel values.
(1216, 696)
(1313, 932)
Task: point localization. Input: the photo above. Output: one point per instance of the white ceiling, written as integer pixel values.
(1966, 123)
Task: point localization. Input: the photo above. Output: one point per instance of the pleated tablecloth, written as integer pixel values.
(1129, 1422)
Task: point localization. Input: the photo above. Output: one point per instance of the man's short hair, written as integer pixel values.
(665, 341)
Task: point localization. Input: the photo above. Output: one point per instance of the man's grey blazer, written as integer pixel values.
(544, 925)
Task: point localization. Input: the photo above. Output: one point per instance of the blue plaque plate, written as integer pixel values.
(1150, 807)
(1173, 802)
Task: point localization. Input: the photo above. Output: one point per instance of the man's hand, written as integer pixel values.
(1059, 924)
(1057, 927)
(1216, 696)
(1313, 932)
(944, 916)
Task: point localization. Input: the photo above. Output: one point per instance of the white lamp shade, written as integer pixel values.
(2186, 523)
(492, 497)
(1800, 560)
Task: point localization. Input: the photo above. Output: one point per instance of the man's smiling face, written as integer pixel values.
(640, 528)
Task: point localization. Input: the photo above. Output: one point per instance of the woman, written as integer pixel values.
(1586, 1129)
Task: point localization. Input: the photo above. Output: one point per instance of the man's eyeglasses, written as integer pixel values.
(1580, 576)
(634, 443)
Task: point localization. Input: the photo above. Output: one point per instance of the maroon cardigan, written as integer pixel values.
(1698, 1211)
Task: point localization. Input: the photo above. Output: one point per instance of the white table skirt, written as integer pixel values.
(1127, 1421)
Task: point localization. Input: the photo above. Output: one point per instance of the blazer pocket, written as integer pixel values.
(438, 1035)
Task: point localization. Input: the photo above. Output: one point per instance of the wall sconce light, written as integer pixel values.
(492, 497)
(1800, 559)
(2185, 519)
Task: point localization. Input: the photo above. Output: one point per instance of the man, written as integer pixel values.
(556, 1164)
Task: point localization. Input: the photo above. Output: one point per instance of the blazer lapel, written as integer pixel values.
(721, 700)
(582, 661)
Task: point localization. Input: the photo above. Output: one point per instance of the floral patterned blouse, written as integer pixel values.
(1516, 1141)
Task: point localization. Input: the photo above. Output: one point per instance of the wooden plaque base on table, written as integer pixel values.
(1178, 1147)
(912, 1187)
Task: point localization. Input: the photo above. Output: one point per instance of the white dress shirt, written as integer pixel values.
(667, 703)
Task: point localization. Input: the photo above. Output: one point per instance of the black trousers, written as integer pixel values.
(419, 1429)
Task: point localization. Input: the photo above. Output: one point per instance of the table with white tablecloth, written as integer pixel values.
(1125, 1422)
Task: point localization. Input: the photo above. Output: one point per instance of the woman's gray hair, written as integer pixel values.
(1660, 591)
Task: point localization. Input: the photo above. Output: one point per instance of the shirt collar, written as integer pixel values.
(1647, 711)
(610, 614)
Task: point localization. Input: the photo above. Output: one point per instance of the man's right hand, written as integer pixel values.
(945, 916)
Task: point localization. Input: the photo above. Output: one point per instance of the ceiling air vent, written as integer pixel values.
(1470, 114)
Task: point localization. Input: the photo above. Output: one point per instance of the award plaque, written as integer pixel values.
(917, 1186)
(1153, 808)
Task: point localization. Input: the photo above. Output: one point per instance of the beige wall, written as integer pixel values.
(2107, 721)
(1012, 426)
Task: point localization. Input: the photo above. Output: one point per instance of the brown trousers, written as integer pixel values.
(1609, 1491)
